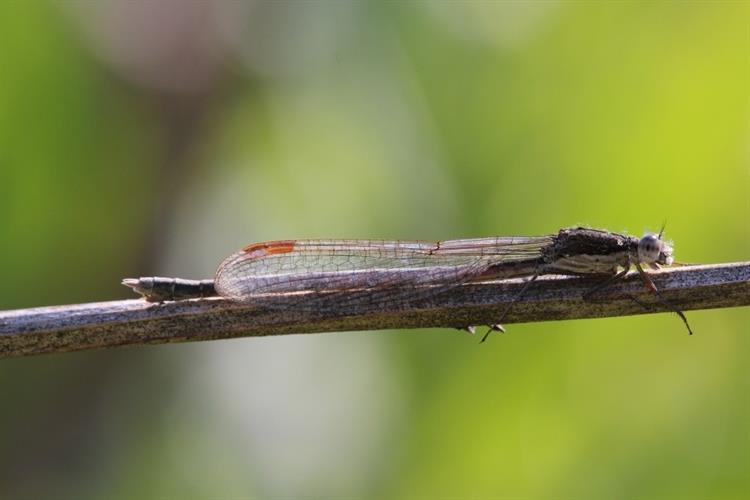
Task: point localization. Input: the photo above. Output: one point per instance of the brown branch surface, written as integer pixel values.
(136, 322)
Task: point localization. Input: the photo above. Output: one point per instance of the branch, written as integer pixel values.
(136, 322)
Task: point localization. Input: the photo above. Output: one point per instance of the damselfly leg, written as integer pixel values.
(652, 287)
(604, 284)
(498, 327)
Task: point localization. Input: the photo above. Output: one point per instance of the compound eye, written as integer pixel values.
(648, 249)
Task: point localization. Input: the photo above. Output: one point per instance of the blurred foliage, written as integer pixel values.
(157, 137)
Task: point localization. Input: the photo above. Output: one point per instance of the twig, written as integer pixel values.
(136, 322)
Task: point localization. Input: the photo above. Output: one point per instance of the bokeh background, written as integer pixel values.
(156, 137)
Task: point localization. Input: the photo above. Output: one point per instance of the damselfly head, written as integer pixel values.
(653, 250)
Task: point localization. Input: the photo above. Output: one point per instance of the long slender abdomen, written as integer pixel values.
(157, 289)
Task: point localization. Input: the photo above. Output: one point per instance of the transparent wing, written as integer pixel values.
(367, 274)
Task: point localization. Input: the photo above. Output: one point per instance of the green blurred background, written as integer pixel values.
(156, 137)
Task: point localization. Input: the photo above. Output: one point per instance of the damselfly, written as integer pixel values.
(388, 275)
